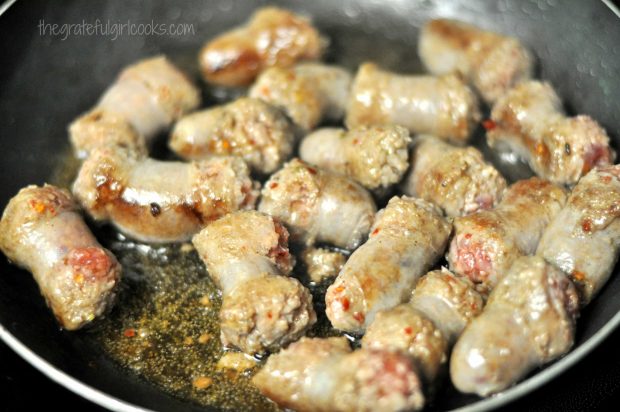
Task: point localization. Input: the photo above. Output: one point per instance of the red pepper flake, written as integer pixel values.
(312, 170)
(356, 141)
(338, 289)
(273, 185)
(374, 232)
(269, 315)
(467, 236)
(37, 206)
(578, 275)
(345, 304)
(129, 333)
(408, 330)
(359, 317)
(606, 179)
(586, 225)
(489, 124)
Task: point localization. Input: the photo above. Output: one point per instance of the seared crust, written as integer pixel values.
(456, 179)
(156, 201)
(324, 375)
(529, 120)
(249, 128)
(374, 156)
(493, 63)
(406, 239)
(271, 37)
(584, 238)
(42, 231)
(247, 256)
(486, 243)
(443, 106)
(317, 205)
(528, 321)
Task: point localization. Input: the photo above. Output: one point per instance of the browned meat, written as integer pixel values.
(408, 236)
(530, 122)
(485, 244)
(249, 128)
(442, 106)
(145, 99)
(308, 93)
(584, 238)
(157, 201)
(321, 375)
(374, 156)
(529, 320)
(491, 62)
(272, 37)
(317, 205)
(428, 325)
(247, 256)
(42, 231)
(457, 179)
(322, 263)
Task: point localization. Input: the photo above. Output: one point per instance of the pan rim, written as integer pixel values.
(118, 405)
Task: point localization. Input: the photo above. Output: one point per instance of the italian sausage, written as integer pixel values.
(485, 244)
(529, 121)
(442, 106)
(145, 99)
(318, 206)
(308, 93)
(408, 236)
(374, 156)
(583, 239)
(493, 63)
(529, 320)
(42, 231)
(247, 256)
(321, 375)
(157, 201)
(271, 37)
(426, 327)
(322, 263)
(457, 179)
(249, 128)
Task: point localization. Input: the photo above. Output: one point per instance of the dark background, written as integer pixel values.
(593, 384)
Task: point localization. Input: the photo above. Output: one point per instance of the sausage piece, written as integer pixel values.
(529, 121)
(318, 206)
(583, 239)
(157, 201)
(493, 63)
(457, 179)
(408, 236)
(426, 327)
(247, 256)
(442, 106)
(249, 128)
(42, 231)
(308, 93)
(485, 244)
(272, 37)
(529, 320)
(322, 263)
(145, 99)
(374, 156)
(321, 375)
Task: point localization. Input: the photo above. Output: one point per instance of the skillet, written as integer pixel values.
(46, 81)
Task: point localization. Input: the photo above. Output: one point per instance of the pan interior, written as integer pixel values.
(151, 341)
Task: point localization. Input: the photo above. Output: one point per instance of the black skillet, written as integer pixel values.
(45, 81)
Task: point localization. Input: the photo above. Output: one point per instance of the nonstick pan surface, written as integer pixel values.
(46, 81)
